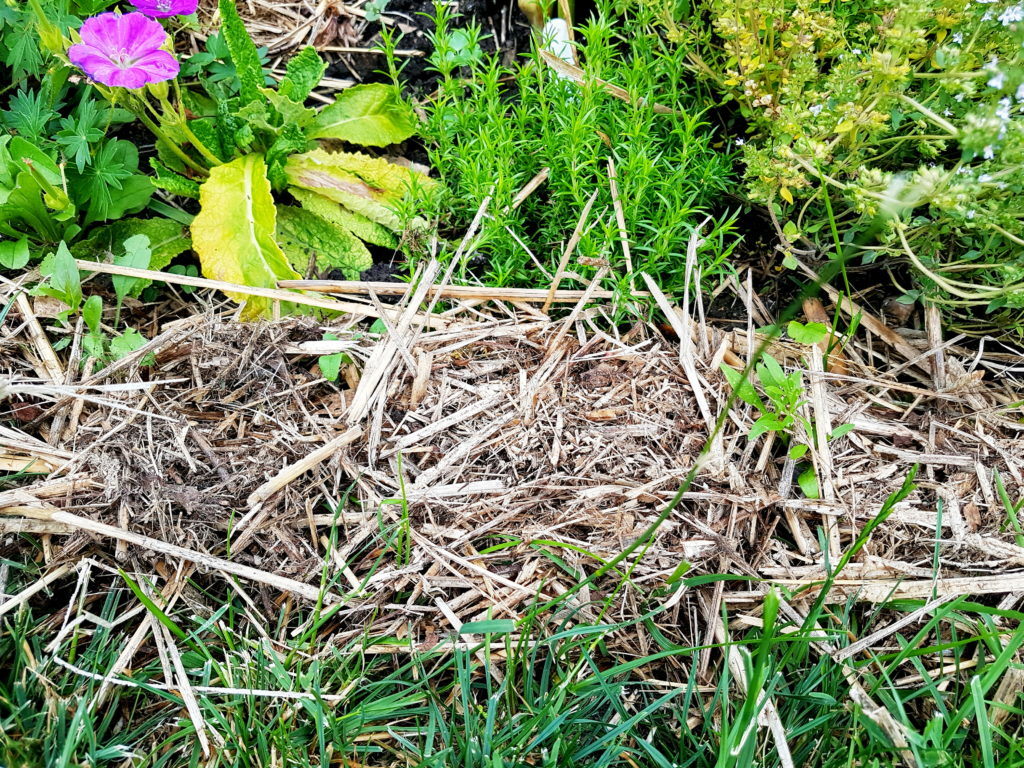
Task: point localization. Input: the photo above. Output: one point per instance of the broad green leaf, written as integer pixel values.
(172, 181)
(65, 284)
(811, 333)
(301, 233)
(234, 231)
(302, 74)
(797, 451)
(25, 212)
(92, 313)
(14, 253)
(371, 115)
(839, 431)
(330, 365)
(769, 422)
(363, 184)
(290, 140)
(128, 342)
(167, 239)
(137, 254)
(809, 483)
(357, 224)
(291, 113)
(744, 389)
(243, 51)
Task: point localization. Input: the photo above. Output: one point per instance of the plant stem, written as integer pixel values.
(939, 121)
(158, 132)
(194, 140)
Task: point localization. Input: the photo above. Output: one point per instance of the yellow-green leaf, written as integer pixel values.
(361, 183)
(303, 233)
(235, 229)
(359, 225)
(371, 115)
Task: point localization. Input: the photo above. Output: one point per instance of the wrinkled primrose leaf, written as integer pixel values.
(234, 233)
(301, 233)
(370, 115)
(362, 184)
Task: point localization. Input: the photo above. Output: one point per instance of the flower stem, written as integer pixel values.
(157, 131)
(131, 103)
(194, 140)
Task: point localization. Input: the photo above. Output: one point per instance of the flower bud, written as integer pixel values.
(535, 12)
(49, 35)
(159, 90)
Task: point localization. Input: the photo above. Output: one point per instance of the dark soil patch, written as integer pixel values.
(503, 28)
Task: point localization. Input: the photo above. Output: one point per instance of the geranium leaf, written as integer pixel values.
(371, 115)
(234, 231)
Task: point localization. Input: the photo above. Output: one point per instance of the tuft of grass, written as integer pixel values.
(492, 127)
(554, 689)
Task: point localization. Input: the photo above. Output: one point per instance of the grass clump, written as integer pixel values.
(492, 127)
(554, 689)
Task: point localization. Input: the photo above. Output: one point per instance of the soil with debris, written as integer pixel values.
(555, 442)
(348, 39)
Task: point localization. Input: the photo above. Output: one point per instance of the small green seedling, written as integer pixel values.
(330, 365)
(187, 270)
(781, 414)
(374, 9)
(64, 283)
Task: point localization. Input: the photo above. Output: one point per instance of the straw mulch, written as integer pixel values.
(464, 471)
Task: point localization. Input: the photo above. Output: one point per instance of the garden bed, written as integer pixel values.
(470, 469)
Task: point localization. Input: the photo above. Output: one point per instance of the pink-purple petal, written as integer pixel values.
(87, 57)
(164, 8)
(141, 34)
(123, 51)
(160, 65)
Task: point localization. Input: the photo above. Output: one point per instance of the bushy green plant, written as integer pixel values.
(61, 172)
(905, 117)
(492, 127)
(272, 193)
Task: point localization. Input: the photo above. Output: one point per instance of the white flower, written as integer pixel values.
(971, 214)
(856, 51)
(998, 78)
(1012, 15)
(958, 37)
(947, 112)
(815, 109)
(989, 152)
(1020, 92)
(740, 142)
(985, 177)
(1003, 111)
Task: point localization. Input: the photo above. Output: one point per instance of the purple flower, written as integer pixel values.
(123, 50)
(162, 8)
